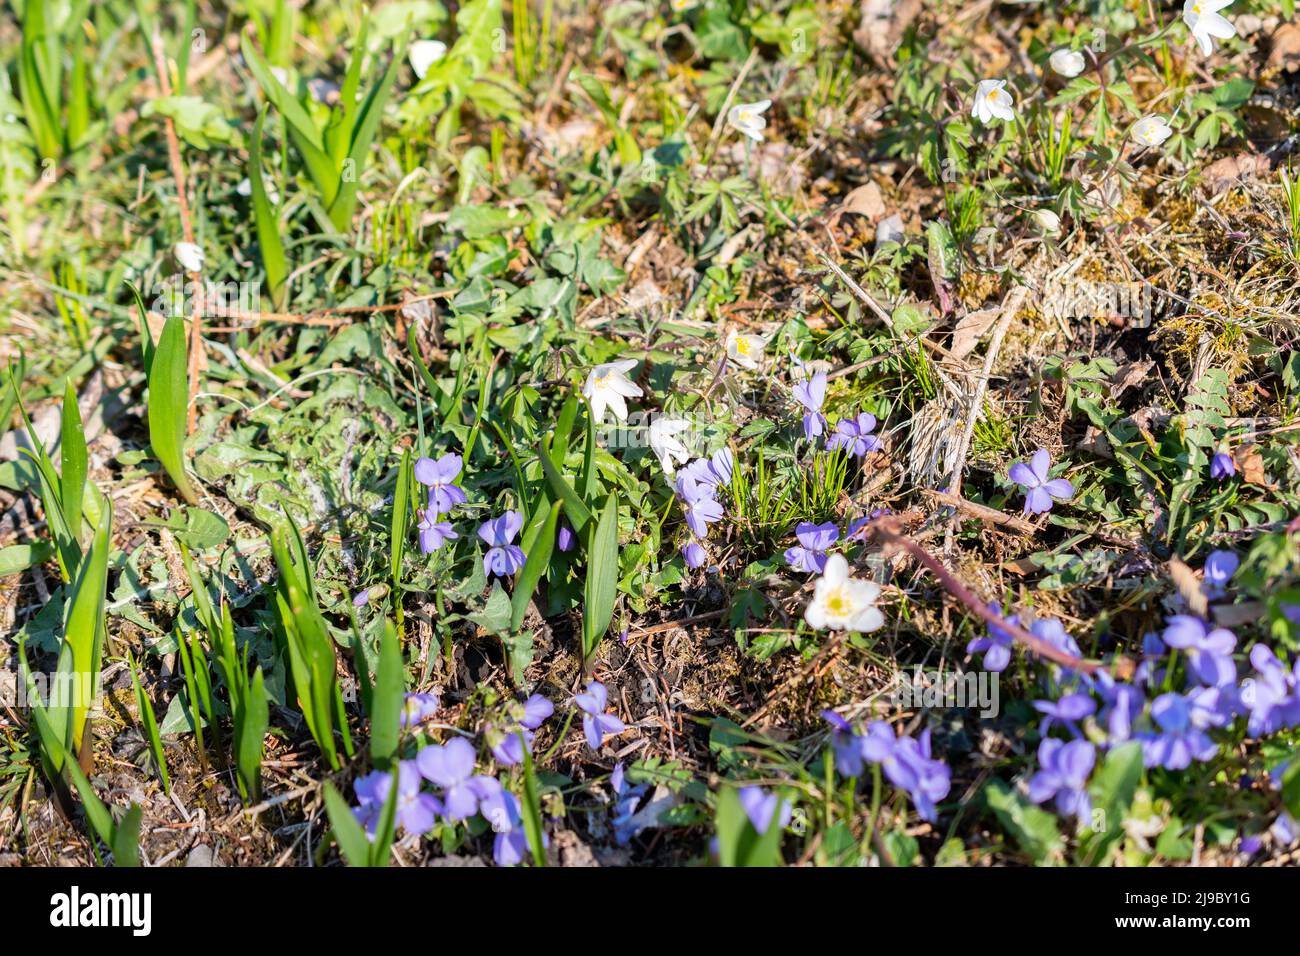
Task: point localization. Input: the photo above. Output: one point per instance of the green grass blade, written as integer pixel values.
(348, 832)
(578, 512)
(538, 560)
(83, 627)
(531, 810)
(149, 720)
(74, 462)
(168, 403)
(266, 222)
(599, 589)
(386, 700)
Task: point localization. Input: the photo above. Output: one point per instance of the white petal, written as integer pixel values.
(837, 570)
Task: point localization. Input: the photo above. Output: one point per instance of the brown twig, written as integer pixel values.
(885, 528)
(982, 512)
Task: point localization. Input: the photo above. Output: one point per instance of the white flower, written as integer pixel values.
(992, 101)
(189, 256)
(606, 387)
(841, 602)
(424, 53)
(1068, 63)
(1150, 131)
(681, 6)
(281, 75)
(745, 350)
(749, 119)
(1203, 19)
(1046, 221)
(665, 446)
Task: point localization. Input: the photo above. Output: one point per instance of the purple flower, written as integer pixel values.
(362, 598)
(434, 533)
(996, 647)
(1222, 466)
(510, 845)
(712, 473)
(908, 765)
(854, 435)
(417, 708)
(1122, 706)
(814, 539)
(764, 808)
(1039, 489)
(626, 825)
(1220, 566)
(811, 394)
(438, 476)
(503, 558)
(1270, 696)
(505, 744)
(595, 722)
(564, 538)
(1063, 774)
(451, 766)
(533, 712)
(1284, 830)
(1209, 651)
(698, 504)
(933, 777)
(416, 812)
(694, 555)
(1067, 711)
(846, 744)
(1153, 652)
(1182, 738)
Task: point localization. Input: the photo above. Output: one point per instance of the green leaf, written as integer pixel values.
(150, 722)
(266, 222)
(17, 558)
(72, 445)
(348, 832)
(538, 560)
(168, 403)
(1033, 827)
(1112, 792)
(531, 809)
(577, 512)
(386, 700)
(600, 587)
(739, 844)
(84, 625)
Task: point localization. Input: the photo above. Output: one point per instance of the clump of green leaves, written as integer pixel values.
(309, 645)
(335, 152)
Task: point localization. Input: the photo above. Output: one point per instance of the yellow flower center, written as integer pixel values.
(837, 601)
(743, 346)
(602, 381)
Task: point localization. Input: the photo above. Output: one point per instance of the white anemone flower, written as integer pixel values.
(749, 118)
(607, 387)
(1068, 63)
(424, 53)
(668, 449)
(745, 350)
(1204, 20)
(1046, 221)
(843, 603)
(189, 256)
(992, 101)
(1150, 131)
